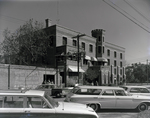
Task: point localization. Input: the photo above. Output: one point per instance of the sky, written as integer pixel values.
(126, 22)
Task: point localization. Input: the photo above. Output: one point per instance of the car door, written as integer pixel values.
(123, 101)
(107, 99)
(11, 107)
(38, 108)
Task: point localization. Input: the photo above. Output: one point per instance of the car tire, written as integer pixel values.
(94, 106)
(142, 107)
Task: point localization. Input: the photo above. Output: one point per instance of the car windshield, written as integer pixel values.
(51, 100)
(125, 88)
(74, 89)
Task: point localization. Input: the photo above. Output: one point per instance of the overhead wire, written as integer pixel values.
(126, 15)
(12, 17)
(137, 10)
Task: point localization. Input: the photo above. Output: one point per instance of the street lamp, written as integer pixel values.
(78, 36)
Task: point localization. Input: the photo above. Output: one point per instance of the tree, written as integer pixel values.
(137, 73)
(28, 45)
(92, 74)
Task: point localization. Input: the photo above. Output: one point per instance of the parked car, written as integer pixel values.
(136, 90)
(148, 87)
(37, 104)
(51, 90)
(104, 97)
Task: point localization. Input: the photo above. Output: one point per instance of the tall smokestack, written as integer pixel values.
(48, 22)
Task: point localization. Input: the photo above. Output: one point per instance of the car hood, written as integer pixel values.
(73, 108)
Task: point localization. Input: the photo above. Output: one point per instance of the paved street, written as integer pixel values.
(113, 113)
(117, 115)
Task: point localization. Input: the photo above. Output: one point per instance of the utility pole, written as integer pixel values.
(78, 36)
(147, 72)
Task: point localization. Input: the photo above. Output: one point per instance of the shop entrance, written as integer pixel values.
(48, 79)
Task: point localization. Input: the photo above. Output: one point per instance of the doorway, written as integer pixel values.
(49, 79)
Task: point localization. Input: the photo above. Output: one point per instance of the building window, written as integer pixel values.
(85, 62)
(115, 71)
(120, 71)
(115, 54)
(108, 62)
(99, 38)
(120, 64)
(74, 43)
(108, 52)
(103, 39)
(103, 49)
(83, 45)
(120, 55)
(90, 48)
(99, 49)
(115, 63)
(64, 40)
(51, 40)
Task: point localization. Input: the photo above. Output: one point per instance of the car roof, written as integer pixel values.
(101, 87)
(134, 86)
(22, 92)
(46, 84)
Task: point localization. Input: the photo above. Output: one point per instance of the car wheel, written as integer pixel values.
(94, 107)
(142, 107)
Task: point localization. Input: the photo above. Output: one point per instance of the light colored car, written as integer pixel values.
(148, 87)
(37, 104)
(102, 97)
(136, 90)
(52, 90)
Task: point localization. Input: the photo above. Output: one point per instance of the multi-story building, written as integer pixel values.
(97, 60)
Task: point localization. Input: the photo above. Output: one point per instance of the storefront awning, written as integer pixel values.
(87, 57)
(93, 59)
(75, 69)
(103, 59)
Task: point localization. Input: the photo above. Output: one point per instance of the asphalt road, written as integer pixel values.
(117, 113)
(113, 113)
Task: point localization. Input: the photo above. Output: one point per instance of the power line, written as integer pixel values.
(126, 16)
(137, 10)
(13, 18)
(138, 60)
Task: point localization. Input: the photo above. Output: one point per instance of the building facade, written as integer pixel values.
(78, 58)
(94, 55)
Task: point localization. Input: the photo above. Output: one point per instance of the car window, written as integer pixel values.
(125, 88)
(120, 93)
(108, 93)
(85, 91)
(36, 102)
(13, 101)
(74, 89)
(134, 90)
(51, 100)
(1, 101)
(144, 90)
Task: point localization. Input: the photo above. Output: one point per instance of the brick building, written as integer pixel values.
(105, 60)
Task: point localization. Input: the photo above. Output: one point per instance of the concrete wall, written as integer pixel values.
(15, 76)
